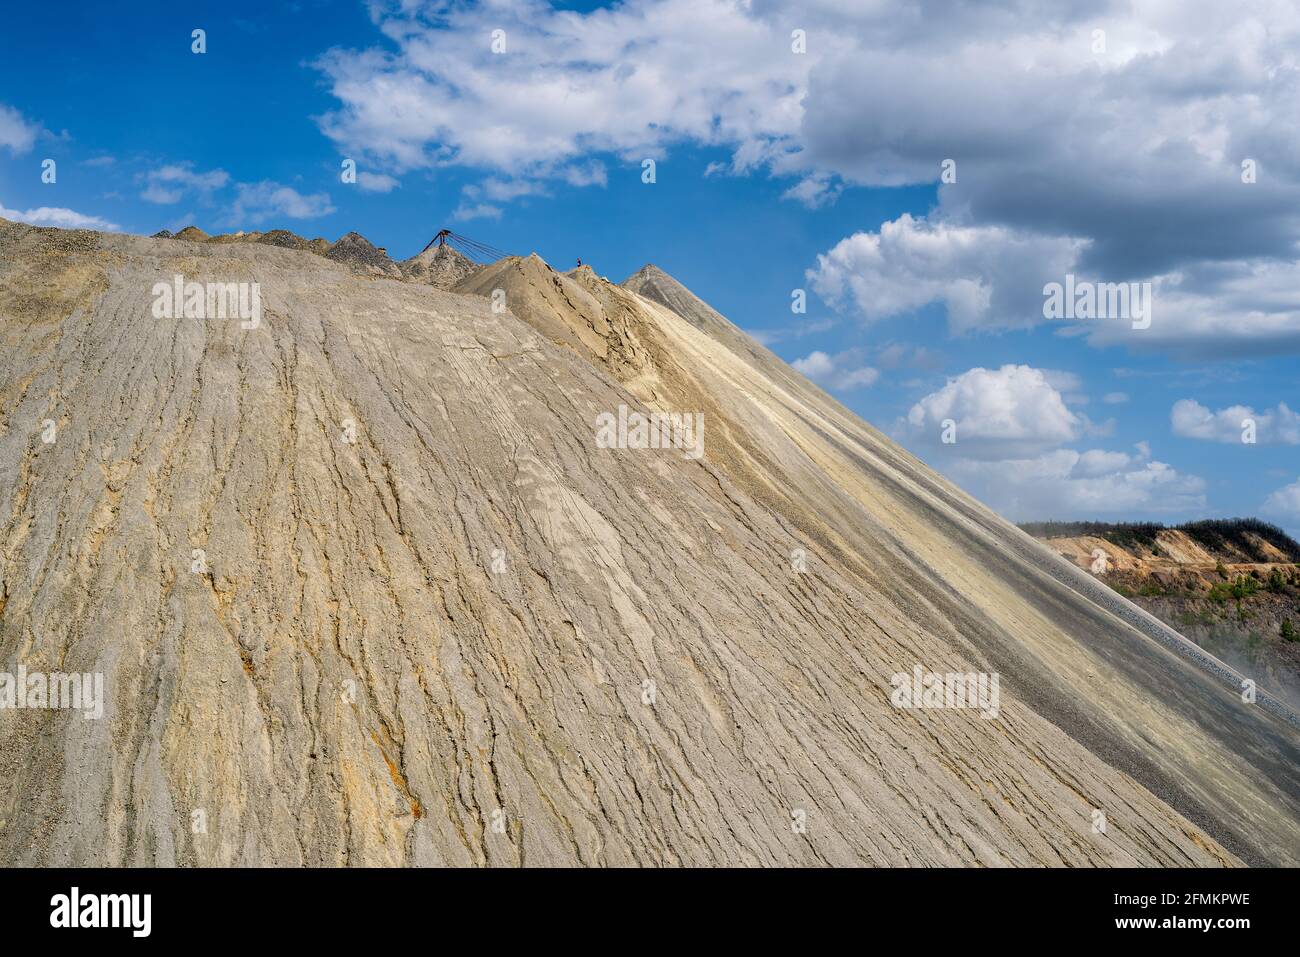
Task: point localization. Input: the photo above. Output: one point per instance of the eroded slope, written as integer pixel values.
(1113, 677)
(431, 609)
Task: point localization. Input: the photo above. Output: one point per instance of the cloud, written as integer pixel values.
(1284, 502)
(16, 133)
(1119, 163)
(1093, 484)
(1127, 163)
(1214, 310)
(815, 191)
(1069, 384)
(631, 80)
(57, 216)
(503, 190)
(1115, 398)
(1098, 462)
(998, 413)
(986, 276)
(992, 278)
(377, 182)
(1135, 148)
(842, 372)
(257, 202)
(585, 174)
(168, 184)
(1009, 424)
(467, 211)
(1191, 420)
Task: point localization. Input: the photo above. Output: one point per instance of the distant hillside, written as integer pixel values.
(1232, 586)
(1232, 539)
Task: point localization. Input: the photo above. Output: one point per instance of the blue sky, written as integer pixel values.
(1117, 160)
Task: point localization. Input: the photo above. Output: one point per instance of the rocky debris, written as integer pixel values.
(365, 591)
(285, 239)
(440, 266)
(554, 304)
(236, 237)
(361, 256)
(162, 234)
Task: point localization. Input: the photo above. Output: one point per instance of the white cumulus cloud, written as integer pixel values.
(1010, 424)
(985, 276)
(998, 413)
(631, 80)
(1191, 420)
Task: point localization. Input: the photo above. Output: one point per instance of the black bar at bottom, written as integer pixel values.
(334, 907)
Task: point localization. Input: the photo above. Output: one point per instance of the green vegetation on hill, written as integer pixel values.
(1222, 534)
(1216, 535)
